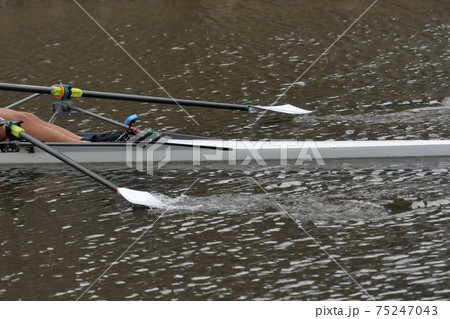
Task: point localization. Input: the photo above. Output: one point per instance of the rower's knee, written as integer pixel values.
(30, 117)
(13, 115)
(26, 117)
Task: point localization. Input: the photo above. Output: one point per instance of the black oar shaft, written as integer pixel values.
(126, 97)
(67, 160)
(162, 100)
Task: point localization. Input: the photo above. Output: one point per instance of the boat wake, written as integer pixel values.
(300, 208)
(215, 203)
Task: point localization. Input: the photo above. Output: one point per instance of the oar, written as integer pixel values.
(133, 196)
(63, 91)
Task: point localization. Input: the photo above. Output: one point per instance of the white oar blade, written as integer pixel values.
(139, 197)
(286, 108)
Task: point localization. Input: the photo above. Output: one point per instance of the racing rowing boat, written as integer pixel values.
(145, 150)
(196, 150)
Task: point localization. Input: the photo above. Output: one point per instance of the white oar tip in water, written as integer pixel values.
(139, 197)
(285, 108)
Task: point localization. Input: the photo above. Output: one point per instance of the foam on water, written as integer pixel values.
(229, 237)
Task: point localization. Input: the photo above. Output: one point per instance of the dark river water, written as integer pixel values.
(348, 230)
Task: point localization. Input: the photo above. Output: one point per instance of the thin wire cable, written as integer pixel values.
(132, 244)
(316, 60)
(314, 240)
(133, 59)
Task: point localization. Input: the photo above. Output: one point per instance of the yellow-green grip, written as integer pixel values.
(15, 130)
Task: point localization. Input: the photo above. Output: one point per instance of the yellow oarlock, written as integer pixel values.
(60, 90)
(15, 130)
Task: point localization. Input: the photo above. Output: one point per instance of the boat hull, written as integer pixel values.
(233, 152)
